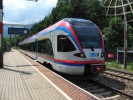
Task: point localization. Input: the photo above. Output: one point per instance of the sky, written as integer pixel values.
(25, 12)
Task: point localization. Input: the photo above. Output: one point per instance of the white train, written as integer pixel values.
(71, 46)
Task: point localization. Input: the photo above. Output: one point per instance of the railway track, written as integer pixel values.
(119, 73)
(102, 91)
(108, 89)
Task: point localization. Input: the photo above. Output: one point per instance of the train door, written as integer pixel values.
(57, 54)
(52, 37)
(36, 49)
(57, 33)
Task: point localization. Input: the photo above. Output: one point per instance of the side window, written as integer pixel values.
(48, 47)
(64, 44)
(30, 46)
(45, 47)
(40, 44)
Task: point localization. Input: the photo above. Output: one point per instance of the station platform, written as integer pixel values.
(21, 78)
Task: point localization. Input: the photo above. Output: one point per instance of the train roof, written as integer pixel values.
(72, 21)
(76, 19)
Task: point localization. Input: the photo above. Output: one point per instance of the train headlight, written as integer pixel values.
(102, 54)
(80, 55)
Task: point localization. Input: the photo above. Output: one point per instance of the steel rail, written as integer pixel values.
(120, 71)
(116, 90)
(131, 79)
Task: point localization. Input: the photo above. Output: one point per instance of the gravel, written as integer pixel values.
(116, 82)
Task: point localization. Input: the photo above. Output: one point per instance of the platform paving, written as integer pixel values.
(22, 78)
(20, 81)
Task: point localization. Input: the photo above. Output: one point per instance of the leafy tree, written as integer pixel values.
(6, 41)
(114, 33)
(85, 9)
(130, 36)
(96, 13)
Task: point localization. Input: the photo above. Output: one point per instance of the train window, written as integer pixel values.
(45, 47)
(64, 44)
(48, 47)
(41, 46)
(30, 46)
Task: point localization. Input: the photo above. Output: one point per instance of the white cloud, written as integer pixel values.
(26, 12)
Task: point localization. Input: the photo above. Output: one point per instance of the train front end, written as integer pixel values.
(91, 45)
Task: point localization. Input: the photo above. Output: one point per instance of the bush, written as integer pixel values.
(114, 65)
(130, 66)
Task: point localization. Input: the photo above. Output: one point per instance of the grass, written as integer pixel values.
(15, 47)
(130, 66)
(114, 65)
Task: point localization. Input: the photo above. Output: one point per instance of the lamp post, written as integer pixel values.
(1, 34)
(125, 36)
(125, 45)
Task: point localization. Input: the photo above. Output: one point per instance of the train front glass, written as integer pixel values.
(88, 35)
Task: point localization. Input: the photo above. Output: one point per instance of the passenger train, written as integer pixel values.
(71, 46)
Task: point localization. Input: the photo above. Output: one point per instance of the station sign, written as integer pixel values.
(18, 31)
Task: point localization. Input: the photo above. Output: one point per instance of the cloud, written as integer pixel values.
(26, 12)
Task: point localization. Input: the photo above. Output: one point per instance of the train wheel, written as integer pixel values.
(50, 66)
(44, 64)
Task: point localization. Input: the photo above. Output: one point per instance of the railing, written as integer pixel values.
(118, 53)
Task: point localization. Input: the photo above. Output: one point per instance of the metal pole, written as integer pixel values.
(1, 34)
(10, 41)
(117, 55)
(125, 45)
(125, 37)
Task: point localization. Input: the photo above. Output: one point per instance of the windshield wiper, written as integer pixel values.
(92, 48)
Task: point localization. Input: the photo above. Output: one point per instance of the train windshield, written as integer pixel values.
(89, 37)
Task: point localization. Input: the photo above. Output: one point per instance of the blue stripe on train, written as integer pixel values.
(65, 30)
(68, 64)
(64, 63)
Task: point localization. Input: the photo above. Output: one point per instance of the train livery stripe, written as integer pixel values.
(64, 26)
(61, 25)
(67, 25)
(72, 62)
(102, 50)
(71, 35)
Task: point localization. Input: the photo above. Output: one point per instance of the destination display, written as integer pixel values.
(82, 24)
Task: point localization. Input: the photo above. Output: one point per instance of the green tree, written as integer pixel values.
(114, 33)
(130, 36)
(85, 9)
(6, 41)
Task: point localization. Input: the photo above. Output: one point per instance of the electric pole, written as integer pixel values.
(1, 34)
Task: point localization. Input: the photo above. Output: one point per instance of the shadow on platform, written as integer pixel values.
(22, 72)
(20, 65)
